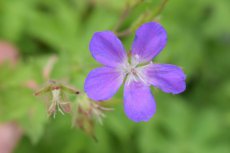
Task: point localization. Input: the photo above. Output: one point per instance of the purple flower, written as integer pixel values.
(138, 72)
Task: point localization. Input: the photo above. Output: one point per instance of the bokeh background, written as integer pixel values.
(196, 121)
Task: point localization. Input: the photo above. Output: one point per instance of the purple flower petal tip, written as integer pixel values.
(150, 39)
(139, 102)
(169, 78)
(107, 49)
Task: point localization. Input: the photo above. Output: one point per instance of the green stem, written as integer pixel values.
(129, 7)
(146, 17)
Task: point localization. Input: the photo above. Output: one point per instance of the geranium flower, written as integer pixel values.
(138, 72)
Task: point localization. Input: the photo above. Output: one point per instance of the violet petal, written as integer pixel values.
(139, 102)
(150, 39)
(169, 78)
(102, 83)
(107, 49)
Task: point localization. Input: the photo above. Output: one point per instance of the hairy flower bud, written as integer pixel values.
(88, 112)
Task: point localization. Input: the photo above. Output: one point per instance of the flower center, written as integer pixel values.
(133, 71)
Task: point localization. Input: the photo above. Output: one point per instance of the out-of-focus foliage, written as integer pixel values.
(197, 121)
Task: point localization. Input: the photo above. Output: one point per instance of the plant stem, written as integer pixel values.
(125, 14)
(146, 17)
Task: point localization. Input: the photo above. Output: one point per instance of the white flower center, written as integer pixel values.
(133, 72)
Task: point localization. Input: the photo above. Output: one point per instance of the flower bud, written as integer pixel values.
(58, 100)
(88, 112)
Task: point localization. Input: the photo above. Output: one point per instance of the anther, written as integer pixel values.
(133, 71)
(55, 88)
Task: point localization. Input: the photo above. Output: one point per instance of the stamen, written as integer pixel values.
(60, 110)
(133, 72)
(55, 88)
(135, 60)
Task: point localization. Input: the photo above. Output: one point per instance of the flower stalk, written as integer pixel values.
(147, 16)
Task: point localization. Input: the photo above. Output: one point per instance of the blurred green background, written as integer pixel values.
(196, 121)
